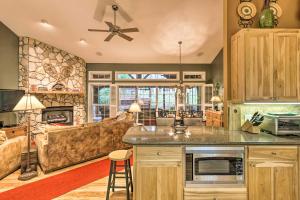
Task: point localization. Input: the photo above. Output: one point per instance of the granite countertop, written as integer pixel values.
(164, 135)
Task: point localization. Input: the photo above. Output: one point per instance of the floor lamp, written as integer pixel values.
(28, 104)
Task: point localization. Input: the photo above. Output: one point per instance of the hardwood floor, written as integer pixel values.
(93, 191)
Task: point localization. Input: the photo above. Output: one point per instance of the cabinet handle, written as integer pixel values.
(158, 153)
(274, 153)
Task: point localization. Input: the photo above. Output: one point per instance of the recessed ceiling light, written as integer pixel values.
(98, 53)
(46, 24)
(82, 41)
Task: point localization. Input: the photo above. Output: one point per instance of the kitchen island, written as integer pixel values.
(271, 164)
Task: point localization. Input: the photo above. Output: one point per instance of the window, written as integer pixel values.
(208, 95)
(166, 100)
(147, 95)
(100, 102)
(147, 76)
(127, 96)
(193, 99)
(194, 76)
(100, 76)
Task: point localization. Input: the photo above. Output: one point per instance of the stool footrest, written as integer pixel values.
(119, 187)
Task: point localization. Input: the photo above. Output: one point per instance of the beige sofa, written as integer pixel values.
(68, 146)
(10, 155)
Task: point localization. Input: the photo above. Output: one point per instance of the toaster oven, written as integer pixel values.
(281, 124)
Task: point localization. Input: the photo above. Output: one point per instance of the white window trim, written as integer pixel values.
(90, 99)
(202, 73)
(100, 72)
(147, 80)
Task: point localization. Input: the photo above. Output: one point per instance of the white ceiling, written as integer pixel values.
(162, 23)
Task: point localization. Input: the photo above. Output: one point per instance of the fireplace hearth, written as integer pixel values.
(62, 115)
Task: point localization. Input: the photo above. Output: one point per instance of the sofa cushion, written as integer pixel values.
(3, 137)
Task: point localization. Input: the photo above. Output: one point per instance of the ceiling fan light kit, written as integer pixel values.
(114, 30)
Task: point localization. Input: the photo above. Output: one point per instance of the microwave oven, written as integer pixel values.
(215, 166)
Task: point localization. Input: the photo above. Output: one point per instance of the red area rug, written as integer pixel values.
(57, 185)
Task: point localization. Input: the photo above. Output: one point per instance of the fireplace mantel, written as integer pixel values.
(57, 92)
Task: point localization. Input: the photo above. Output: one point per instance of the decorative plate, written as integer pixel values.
(276, 9)
(246, 10)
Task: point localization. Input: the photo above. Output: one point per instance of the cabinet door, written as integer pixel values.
(272, 181)
(259, 66)
(259, 182)
(286, 66)
(285, 182)
(159, 180)
(237, 69)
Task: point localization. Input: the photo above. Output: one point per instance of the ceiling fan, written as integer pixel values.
(116, 30)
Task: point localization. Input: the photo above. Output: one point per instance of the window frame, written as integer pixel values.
(202, 73)
(177, 73)
(91, 73)
(90, 98)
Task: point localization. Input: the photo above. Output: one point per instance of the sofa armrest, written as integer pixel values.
(42, 147)
(10, 152)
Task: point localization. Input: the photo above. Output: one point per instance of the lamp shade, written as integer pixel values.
(135, 108)
(216, 99)
(28, 102)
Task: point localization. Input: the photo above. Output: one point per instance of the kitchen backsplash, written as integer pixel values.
(239, 112)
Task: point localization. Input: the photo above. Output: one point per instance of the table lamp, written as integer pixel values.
(215, 100)
(28, 103)
(135, 108)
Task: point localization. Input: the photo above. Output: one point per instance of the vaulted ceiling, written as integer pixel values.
(162, 23)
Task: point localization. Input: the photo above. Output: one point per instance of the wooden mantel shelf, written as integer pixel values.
(56, 92)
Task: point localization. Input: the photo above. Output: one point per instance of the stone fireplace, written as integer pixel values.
(41, 69)
(62, 115)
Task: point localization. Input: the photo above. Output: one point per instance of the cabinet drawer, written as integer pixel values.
(209, 122)
(159, 153)
(218, 194)
(273, 153)
(14, 132)
(217, 116)
(217, 123)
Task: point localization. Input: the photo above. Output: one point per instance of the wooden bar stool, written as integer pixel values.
(119, 156)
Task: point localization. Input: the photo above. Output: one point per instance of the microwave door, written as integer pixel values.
(221, 169)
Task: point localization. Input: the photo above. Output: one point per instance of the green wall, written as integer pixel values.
(152, 67)
(217, 68)
(9, 58)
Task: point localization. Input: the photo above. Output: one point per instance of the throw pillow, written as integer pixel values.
(2, 137)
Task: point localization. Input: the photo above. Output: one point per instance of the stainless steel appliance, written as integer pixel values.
(208, 166)
(281, 124)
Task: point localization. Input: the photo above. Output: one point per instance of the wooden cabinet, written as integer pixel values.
(215, 194)
(273, 175)
(286, 60)
(158, 173)
(265, 65)
(237, 68)
(15, 131)
(214, 118)
(258, 66)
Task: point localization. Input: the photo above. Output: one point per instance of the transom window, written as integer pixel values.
(147, 76)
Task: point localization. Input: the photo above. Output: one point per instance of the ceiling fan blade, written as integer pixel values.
(100, 10)
(124, 14)
(129, 30)
(109, 37)
(126, 37)
(109, 24)
(97, 30)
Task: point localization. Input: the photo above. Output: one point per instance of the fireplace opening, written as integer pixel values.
(62, 115)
